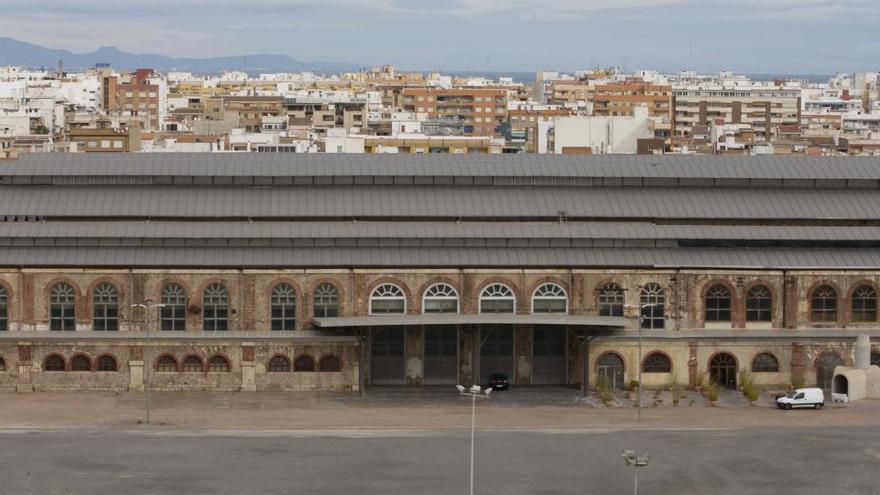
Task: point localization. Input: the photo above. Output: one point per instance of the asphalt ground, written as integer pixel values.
(836, 460)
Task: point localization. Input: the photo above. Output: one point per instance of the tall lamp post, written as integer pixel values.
(474, 392)
(632, 458)
(146, 306)
(641, 308)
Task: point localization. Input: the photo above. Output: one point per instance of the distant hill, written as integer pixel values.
(15, 52)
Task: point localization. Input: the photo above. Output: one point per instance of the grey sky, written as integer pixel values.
(778, 36)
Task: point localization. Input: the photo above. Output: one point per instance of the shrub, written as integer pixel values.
(633, 385)
(713, 391)
(700, 382)
(750, 390)
(676, 393)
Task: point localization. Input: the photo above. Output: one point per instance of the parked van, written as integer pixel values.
(802, 397)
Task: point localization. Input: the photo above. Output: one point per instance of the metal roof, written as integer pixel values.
(442, 257)
(472, 319)
(416, 201)
(524, 165)
(426, 230)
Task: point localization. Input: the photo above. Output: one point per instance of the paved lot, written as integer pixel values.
(838, 461)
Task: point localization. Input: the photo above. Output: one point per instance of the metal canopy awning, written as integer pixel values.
(472, 319)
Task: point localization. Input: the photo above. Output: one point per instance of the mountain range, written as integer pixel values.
(20, 53)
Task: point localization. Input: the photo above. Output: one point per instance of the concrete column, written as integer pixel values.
(466, 354)
(136, 375)
(523, 337)
(414, 351)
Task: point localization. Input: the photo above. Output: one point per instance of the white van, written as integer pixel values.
(802, 397)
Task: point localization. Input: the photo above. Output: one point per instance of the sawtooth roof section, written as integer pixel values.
(487, 165)
(427, 230)
(438, 202)
(400, 257)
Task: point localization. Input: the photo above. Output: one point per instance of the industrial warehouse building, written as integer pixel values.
(335, 272)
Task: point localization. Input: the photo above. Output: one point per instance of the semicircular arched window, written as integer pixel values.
(4, 309)
(765, 363)
(216, 308)
(717, 303)
(105, 308)
(325, 301)
(106, 363)
(304, 363)
(387, 298)
(283, 307)
(279, 364)
(497, 298)
(652, 304)
(329, 363)
(823, 304)
(759, 304)
(610, 300)
(172, 315)
(80, 363)
(62, 308)
(864, 304)
(166, 364)
(550, 298)
(440, 298)
(192, 364)
(656, 362)
(218, 364)
(54, 363)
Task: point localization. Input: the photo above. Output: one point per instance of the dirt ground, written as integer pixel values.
(406, 409)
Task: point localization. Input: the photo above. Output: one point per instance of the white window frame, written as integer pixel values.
(455, 297)
(549, 298)
(511, 297)
(386, 286)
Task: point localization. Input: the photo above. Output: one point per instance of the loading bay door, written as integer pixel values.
(496, 352)
(548, 355)
(387, 365)
(441, 355)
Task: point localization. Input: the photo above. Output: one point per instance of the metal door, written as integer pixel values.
(496, 352)
(387, 366)
(609, 370)
(825, 369)
(548, 355)
(441, 355)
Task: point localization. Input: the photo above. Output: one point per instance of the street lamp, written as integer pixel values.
(641, 308)
(632, 458)
(147, 305)
(474, 392)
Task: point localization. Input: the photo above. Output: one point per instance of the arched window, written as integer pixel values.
(610, 300)
(864, 304)
(718, 303)
(105, 308)
(54, 363)
(875, 359)
(4, 309)
(440, 298)
(62, 308)
(106, 363)
(497, 298)
(759, 304)
(326, 301)
(550, 298)
(80, 363)
(173, 313)
(823, 304)
(2, 364)
(193, 364)
(652, 301)
(283, 310)
(166, 363)
(216, 308)
(304, 363)
(218, 364)
(765, 363)
(279, 364)
(609, 371)
(387, 298)
(656, 362)
(329, 363)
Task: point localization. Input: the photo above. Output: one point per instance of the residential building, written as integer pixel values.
(482, 110)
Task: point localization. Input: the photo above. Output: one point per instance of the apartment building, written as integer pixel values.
(620, 98)
(326, 112)
(133, 95)
(250, 110)
(764, 107)
(482, 110)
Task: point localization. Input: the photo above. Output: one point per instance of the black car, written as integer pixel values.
(498, 381)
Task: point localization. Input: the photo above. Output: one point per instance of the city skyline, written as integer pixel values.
(510, 35)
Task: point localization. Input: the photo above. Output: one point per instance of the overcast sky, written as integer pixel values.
(753, 36)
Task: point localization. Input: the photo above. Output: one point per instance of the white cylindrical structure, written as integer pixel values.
(863, 352)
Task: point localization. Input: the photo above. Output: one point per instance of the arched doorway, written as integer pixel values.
(722, 370)
(609, 370)
(825, 365)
